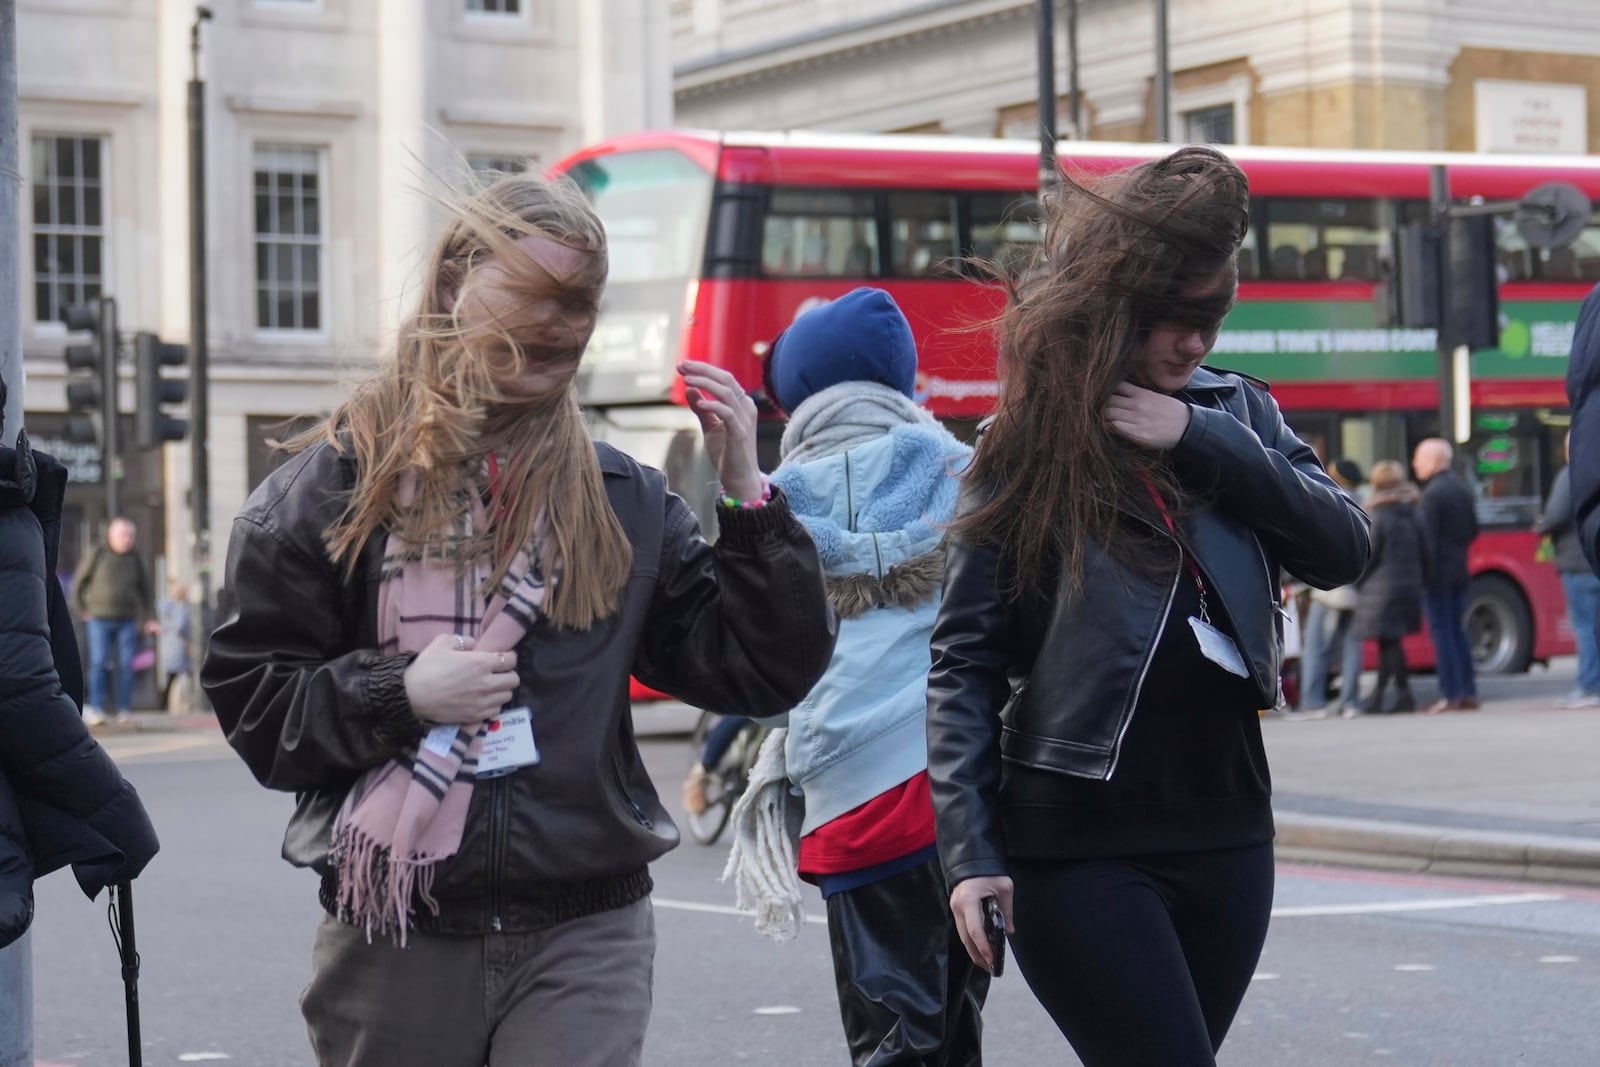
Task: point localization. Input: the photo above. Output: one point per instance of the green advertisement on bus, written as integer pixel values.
(1341, 341)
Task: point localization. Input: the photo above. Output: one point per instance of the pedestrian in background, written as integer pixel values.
(1111, 624)
(176, 643)
(873, 476)
(1450, 522)
(1328, 629)
(112, 594)
(1389, 605)
(1583, 451)
(451, 555)
(1579, 583)
(62, 800)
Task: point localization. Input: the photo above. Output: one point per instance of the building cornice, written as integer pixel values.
(84, 95)
(283, 105)
(514, 116)
(775, 59)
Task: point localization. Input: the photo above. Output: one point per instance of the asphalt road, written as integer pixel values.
(1359, 967)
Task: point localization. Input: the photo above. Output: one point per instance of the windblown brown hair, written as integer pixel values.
(1118, 256)
(436, 409)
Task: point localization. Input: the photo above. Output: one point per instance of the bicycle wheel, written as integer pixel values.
(708, 825)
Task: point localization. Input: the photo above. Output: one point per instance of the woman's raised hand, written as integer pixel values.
(1147, 418)
(728, 421)
(450, 683)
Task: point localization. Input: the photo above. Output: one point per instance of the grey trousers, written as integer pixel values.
(573, 995)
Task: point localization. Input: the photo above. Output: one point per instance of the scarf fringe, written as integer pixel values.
(765, 858)
(378, 892)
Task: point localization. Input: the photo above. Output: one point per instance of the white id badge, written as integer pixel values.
(1218, 647)
(508, 743)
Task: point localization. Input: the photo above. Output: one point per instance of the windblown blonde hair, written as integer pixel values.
(437, 410)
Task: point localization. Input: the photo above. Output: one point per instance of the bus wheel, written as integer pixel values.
(1499, 626)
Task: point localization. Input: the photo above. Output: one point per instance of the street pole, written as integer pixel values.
(1074, 97)
(16, 959)
(1439, 203)
(1163, 76)
(110, 405)
(199, 369)
(1047, 95)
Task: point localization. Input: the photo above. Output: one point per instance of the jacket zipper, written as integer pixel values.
(1149, 658)
(1278, 699)
(497, 849)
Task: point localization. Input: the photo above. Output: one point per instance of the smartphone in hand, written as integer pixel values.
(994, 926)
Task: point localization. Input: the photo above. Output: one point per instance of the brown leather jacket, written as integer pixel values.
(303, 696)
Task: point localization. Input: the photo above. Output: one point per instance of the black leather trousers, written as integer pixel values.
(908, 993)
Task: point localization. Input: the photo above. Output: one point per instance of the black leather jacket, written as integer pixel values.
(1053, 682)
(303, 695)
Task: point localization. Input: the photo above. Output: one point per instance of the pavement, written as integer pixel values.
(1509, 792)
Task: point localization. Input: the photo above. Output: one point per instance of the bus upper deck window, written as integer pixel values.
(922, 234)
(1323, 239)
(1005, 228)
(820, 233)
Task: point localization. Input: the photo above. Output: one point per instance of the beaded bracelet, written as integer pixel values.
(748, 505)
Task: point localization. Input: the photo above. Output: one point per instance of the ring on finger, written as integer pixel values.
(461, 643)
(500, 660)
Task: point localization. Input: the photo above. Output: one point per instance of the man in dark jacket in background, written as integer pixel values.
(112, 594)
(62, 799)
(1583, 392)
(1450, 521)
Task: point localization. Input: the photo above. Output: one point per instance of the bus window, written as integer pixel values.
(922, 234)
(819, 233)
(1005, 228)
(1323, 239)
(1577, 262)
(654, 206)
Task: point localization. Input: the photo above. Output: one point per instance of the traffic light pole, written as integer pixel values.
(110, 406)
(1439, 202)
(16, 959)
(199, 369)
(1046, 34)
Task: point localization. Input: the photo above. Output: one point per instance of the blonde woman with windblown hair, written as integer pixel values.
(440, 601)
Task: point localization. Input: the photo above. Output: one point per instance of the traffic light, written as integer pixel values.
(153, 427)
(1474, 283)
(93, 395)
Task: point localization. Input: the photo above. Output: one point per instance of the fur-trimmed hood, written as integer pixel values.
(877, 513)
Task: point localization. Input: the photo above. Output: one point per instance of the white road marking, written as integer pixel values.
(198, 1057)
(1558, 959)
(1413, 966)
(129, 750)
(720, 909)
(778, 1009)
(1380, 907)
(1263, 976)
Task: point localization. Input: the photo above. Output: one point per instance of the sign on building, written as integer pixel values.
(1532, 117)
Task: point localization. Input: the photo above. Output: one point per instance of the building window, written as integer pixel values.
(288, 208)
(494, 7)
(498, 163)
(1209, 125)
(69, 229)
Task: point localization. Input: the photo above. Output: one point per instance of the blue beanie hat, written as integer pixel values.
(860, 337)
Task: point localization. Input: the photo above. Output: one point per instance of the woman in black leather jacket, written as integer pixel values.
(1111, 624)
(62, 799)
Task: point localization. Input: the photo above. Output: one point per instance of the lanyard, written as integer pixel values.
(1188, 557)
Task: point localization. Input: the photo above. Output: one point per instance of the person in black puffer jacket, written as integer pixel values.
(1389, 607)
(62, 799)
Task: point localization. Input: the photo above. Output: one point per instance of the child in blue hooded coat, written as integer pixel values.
(874, 479)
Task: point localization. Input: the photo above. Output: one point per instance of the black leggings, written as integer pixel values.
(1143, 960)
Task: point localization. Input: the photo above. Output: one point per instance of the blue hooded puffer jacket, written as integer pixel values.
(877, 514)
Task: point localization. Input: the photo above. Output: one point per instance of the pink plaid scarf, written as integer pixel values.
(400, 819)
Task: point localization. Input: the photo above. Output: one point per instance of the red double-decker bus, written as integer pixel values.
(718, 241)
